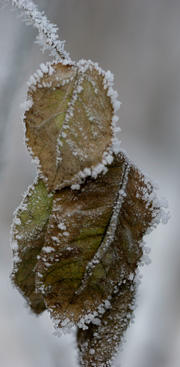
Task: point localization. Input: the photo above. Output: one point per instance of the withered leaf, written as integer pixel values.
(28, 233)
(68, 127)
(93, 242)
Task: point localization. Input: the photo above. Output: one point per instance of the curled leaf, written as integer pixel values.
(69, 126)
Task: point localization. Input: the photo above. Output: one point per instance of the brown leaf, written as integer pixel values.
(68, 128)
(77, 251)
(77, 225)
(93, 241)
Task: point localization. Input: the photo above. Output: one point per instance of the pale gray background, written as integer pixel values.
(139, 41)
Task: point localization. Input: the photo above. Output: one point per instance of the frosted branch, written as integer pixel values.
(47, 36)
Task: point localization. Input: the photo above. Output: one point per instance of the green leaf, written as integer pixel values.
(28, 233)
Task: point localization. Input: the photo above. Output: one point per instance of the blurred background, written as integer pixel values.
(139, 41)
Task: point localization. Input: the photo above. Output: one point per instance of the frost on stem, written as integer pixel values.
(47, 37)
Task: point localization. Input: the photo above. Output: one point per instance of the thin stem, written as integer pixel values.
(47, 36)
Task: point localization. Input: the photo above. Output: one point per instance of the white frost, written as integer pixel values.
(48, 249)
(62, 226)
(75, 187)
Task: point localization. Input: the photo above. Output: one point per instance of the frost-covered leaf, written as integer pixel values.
(28, 232)
(76, 253)
(99, 343)
(93, 242)
(69, 128)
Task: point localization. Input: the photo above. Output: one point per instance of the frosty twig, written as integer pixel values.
(47, 37)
